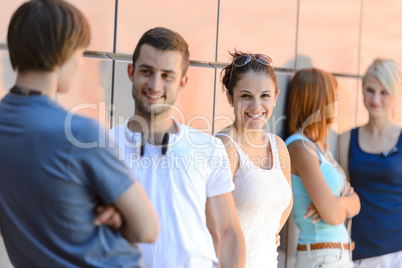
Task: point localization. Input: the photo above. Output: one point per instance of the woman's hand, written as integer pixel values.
(312, 212)
(349, 190)
(278, 240)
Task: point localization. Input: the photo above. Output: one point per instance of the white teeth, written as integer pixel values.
(254, 115)
(153, 96)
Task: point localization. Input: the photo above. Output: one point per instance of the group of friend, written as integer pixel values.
(76, 204)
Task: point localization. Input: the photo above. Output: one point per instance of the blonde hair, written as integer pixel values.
(388, 72)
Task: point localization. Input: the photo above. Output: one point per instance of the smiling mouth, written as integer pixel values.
(153, 96)
(255, 116)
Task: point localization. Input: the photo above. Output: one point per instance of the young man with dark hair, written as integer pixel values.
(52, 177)
(189, 169)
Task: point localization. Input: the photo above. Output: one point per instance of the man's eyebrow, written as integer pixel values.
(169, 71)
(150, 67)
(145, 66)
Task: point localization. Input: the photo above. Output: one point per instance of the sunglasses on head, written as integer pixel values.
(245, 59)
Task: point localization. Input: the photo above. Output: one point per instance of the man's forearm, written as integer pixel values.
(233, 249)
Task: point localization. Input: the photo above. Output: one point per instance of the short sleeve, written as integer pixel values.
(97, 166)
(220, 176)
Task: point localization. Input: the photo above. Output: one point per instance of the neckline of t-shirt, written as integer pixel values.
(136, 136)
(28, 99)
(31, 100)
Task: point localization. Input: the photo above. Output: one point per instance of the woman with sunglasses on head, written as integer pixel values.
(372, 156)
(323, 198)
(259, 160)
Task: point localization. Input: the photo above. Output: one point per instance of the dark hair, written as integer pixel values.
(43, 34)
(311, 91)
(165, 40)
(231, 74)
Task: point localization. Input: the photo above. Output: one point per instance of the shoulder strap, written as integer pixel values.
(272, 142)
(296, 137)
(238, 149)
(274, 148)
(240, 152)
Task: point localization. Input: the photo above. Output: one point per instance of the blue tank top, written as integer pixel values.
(320, 231)
(377, 179)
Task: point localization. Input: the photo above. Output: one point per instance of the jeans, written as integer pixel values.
(391, 260)
(324, 258)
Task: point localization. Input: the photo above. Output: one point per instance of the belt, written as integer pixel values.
(326, 245)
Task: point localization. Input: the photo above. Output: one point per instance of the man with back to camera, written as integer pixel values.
(177, 182)
(50, 187)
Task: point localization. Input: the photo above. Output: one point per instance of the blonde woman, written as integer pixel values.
(372, 156)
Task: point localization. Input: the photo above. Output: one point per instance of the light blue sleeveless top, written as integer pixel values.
(320, 231)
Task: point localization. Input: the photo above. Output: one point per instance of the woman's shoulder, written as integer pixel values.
(297, 139)
(226, 131)
(292, 138)
(281, 146)
(345, 137)
(225, 135)
(280, 143)
(300, 147)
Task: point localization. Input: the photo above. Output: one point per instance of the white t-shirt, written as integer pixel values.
(194, 168)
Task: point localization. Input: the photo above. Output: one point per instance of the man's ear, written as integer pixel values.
(130, 71)
(183, 82)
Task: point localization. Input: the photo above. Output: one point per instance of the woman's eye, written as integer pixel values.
(244, 96)
(265, 95)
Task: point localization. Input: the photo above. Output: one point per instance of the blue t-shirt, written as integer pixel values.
(320, 231)
(377, 179)
(55, 169)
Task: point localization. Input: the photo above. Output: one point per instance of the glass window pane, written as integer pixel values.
(8, 75)
(89, 90)
(195, 20)
(381, 32)
(328, 36)
(267, 27)
(6, 11)
(100, 15)
(347, 104)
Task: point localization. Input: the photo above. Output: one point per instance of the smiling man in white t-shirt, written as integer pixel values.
(181, 168)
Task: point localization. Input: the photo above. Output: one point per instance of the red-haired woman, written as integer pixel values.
(323, 199)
